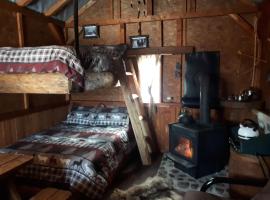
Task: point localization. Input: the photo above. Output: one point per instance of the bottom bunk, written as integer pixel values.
(82, 153)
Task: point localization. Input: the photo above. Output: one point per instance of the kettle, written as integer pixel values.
(185, 117)
(248, 129)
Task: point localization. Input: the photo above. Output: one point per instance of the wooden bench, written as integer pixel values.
(52, 194)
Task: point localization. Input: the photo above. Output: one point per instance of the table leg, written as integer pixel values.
(13, 193)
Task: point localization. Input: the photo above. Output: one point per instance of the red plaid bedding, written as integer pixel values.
(83, 157)
(44, 59)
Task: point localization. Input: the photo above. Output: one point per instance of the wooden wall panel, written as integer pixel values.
(11, 102)
(127, 11)
(8, 29)
(13, 129)
(153, 29)
(171, 85)
(162, 7)
(109, 35)
(224, 35)
(169, 33)
(264, 28)
(37, 33)
(99, 95)
(100, 10)
(38, 100)
(209, 5)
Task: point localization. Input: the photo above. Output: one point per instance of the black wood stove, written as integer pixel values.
(202, 147)
(198, 149)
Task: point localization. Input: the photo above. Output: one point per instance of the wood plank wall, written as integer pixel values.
(18, 127)
(35, 33)
(206, 34)
(264, 29)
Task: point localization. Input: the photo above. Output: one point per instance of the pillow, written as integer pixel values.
(114, 116)
(82, 115)
(98, 116)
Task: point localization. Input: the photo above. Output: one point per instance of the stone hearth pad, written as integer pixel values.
(183, 182)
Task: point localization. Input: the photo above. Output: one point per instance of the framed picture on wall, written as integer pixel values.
(139, 41)
(91, 31)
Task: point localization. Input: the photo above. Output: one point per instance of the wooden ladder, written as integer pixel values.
(138, 117)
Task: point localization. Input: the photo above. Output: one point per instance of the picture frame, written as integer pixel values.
(91, 31)
(139, 41)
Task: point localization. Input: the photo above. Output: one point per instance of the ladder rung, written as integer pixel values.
(129, 73)
(141, 117)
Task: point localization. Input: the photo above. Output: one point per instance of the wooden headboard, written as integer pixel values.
(107, 96)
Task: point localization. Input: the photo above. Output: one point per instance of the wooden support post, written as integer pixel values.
(149, 7)
(122, 34)
(161, 34)
(119, 9)
(20, 30)
(25, 101)
(112, 8)
(57, 33)
(19, 19)
(179, 42)
(179, 32)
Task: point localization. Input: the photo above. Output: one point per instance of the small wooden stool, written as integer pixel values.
(52, 194)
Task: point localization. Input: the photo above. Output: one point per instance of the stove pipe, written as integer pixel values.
(204, 98)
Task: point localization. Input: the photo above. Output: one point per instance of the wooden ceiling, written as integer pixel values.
(54, 7)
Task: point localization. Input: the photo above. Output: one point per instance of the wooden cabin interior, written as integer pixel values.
(135, 99)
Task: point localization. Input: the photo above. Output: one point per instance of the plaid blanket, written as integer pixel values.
(43, 59)
(83, 157)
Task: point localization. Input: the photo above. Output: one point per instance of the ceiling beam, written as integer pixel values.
(243, 23)
(23, 2)
(56, 7)
(89, 4)
(172, 16)
(12, 7)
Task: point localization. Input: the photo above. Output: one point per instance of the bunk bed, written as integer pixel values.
(46, 69)
(82, 153)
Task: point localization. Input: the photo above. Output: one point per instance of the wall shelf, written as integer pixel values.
(242, 105)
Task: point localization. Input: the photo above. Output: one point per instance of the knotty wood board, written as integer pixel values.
(10, 162)
(52, 194)
(47, 83)
(18, 127)
(103, 94)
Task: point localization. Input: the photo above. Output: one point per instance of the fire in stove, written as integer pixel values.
(184, 148)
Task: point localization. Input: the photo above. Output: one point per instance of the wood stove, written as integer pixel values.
(198, 149)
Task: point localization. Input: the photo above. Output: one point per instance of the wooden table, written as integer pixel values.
(8, 164)
(247, 167)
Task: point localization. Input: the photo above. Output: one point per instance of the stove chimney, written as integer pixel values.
(204, 98)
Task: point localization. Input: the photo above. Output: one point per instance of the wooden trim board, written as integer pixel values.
(171, 16)
(170, 50)
(46, 83)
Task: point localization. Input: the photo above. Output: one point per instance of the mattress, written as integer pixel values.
(85, 158)
(44, 59)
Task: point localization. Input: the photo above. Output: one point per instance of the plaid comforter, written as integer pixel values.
(44, 59)
(84, 158)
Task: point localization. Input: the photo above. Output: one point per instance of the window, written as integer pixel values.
(150, 78)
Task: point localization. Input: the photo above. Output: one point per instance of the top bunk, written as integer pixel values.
(46, 70)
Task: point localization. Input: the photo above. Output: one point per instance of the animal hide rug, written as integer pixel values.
(154, 188)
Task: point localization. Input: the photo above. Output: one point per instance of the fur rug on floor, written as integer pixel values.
(154, 188)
